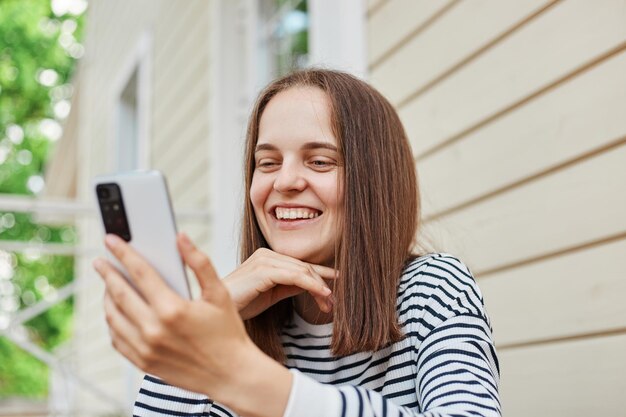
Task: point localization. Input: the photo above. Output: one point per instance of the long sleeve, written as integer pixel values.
(158, 399)
(457, 376)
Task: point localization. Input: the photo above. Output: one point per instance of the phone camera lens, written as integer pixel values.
(104, 193)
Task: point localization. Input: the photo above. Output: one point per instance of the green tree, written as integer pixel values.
(38, 52)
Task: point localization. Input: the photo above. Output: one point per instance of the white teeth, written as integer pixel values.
(295, 213)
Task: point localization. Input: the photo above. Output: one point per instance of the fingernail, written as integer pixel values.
(184, 239)
(97, 264)
(112, 240)
(326, 291)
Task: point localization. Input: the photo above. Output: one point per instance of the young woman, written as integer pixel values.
(330, 312)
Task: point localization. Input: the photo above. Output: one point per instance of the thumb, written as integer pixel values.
(200, 264)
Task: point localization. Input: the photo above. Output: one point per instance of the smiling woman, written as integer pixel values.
(330, 313)
(330, 118)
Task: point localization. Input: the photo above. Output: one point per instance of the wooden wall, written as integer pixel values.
(516, 111)
(181, 100)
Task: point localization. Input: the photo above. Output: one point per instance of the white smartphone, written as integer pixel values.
(136, 206)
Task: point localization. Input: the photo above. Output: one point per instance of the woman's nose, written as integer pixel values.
(289, 178)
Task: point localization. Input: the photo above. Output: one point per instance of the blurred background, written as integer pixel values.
(516, 112)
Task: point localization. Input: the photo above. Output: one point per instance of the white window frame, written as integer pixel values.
(338, 35)
(138, 62)
(232, 81)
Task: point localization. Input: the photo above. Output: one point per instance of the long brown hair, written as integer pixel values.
(380, 214)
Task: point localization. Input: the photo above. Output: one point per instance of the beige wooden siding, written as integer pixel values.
(179, 129)
(515, 112)
(181, 97)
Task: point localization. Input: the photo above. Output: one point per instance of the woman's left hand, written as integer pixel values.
(196, 345)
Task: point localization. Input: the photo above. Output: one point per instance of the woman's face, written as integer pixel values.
(296, 186)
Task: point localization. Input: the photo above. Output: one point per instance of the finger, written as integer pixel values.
(124, 349)
(325, 272)
(123, 335)
(147, 280)
(326, 302)
(126, 299)
(119, 323)
(136, 343)
(201, 265)
(299, 276)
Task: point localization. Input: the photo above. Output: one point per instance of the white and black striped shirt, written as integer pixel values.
(445, 366)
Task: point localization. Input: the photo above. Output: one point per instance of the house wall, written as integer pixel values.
(515, 112)
(174, 42)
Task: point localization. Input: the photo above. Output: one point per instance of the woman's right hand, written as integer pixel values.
(267, 277)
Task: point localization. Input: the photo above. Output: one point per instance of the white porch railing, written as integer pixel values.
(14, 329)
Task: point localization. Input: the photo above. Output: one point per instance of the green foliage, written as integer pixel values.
(291, 44)
(38, 277)
(38, 51)
(20, 373)
(30, 42)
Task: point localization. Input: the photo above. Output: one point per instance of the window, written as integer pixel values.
(299, 33)
(127, 137)
(130, 144)
(284, 34)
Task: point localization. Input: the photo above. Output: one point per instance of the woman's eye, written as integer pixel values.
(266, 164)
(321, 163)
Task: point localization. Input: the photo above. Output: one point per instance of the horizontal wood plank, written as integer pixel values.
(581, 115)
(571, 295)
(170, 36)
(188, 115)
(172, 77)
(191, 149)
(527, 61)
(570, 207)
(372, 5)
(394, 21)
(465, 28)
(575, 379)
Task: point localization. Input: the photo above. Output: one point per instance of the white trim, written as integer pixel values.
(144, 102)
(230, 79)
(337, 35)
(139, 60)
(259, 47)
(48, 248)
(256, 57)
(73, 208)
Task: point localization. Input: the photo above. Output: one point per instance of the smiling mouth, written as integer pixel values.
(295, 213)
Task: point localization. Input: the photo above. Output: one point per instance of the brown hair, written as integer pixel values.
(380, 214)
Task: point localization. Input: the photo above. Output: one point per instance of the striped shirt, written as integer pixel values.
(445, 366)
